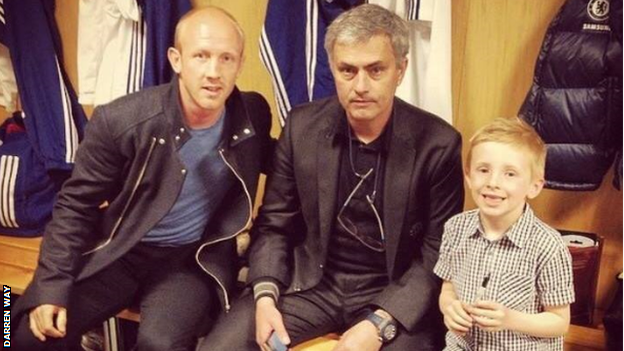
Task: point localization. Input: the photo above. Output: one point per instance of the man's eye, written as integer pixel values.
(348, 72)
(376, 71)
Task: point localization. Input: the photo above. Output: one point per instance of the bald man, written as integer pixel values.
(177, 166)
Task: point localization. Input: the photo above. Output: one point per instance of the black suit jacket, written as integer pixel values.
(423, 187)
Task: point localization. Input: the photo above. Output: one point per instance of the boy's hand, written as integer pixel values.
(456, 317)
(489, 315)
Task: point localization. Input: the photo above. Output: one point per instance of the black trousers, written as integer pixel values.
(175, 299)
(337, 303)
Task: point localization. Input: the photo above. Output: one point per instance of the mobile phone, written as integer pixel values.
(275, 344)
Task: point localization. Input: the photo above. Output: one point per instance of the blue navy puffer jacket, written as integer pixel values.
(575, 102)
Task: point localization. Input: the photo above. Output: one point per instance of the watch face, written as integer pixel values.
(389, 332)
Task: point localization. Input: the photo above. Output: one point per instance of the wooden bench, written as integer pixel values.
(18, 260)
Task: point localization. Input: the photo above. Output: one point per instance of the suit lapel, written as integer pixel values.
(397, 178)
(327, 172)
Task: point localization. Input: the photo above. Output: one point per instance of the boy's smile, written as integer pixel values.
(500, 180)
(492, 199)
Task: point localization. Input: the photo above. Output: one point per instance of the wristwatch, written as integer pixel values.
(386, 327)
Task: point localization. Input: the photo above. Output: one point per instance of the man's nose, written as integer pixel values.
(212, 68)
(362, 82)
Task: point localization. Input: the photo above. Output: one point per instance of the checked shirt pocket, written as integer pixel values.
(516, 290)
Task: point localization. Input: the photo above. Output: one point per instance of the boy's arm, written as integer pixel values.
(456, 318)
(492, 316)
(553, 322)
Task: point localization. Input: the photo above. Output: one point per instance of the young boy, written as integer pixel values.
(507, 275)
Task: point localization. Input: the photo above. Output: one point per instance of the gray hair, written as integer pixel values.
(363, 22)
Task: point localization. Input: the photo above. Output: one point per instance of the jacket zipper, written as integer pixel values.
(125, 209)
(225, 294)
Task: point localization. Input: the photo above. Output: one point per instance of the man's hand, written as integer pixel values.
(456, 317)
(268, 319)
(361, 337)
(48, 320)
(489, 315)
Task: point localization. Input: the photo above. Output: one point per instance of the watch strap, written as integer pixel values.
(381, 324)
(376, 319)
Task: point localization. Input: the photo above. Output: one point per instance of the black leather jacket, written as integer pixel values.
(129, 159)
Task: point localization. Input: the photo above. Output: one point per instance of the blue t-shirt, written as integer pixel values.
(207, 181)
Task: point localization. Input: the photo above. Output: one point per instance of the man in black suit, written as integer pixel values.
(353, 213)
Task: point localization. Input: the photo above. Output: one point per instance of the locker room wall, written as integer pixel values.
(495, 44)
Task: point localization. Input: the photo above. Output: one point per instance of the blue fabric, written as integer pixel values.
(207, 180)
(160, 19)
(27, 193)
(283, 49)
(47, 97)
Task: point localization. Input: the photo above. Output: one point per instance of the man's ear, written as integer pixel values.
(402, 68)
(175, 59)
(241, 64)
(330, 61)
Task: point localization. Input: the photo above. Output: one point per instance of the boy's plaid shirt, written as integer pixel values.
(529, 267)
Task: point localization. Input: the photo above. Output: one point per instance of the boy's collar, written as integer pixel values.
(516, 234)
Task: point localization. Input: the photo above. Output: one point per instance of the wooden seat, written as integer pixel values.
(323, 343)
(18, 260)
(579, 338)
(584, 338)
(130, 315)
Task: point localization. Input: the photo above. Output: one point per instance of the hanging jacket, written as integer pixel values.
(427, 80)
(575, 101)
(161, 18)
(122, 46)
(111, 50)
(27, 193)
(53, 117)
(292, 50)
